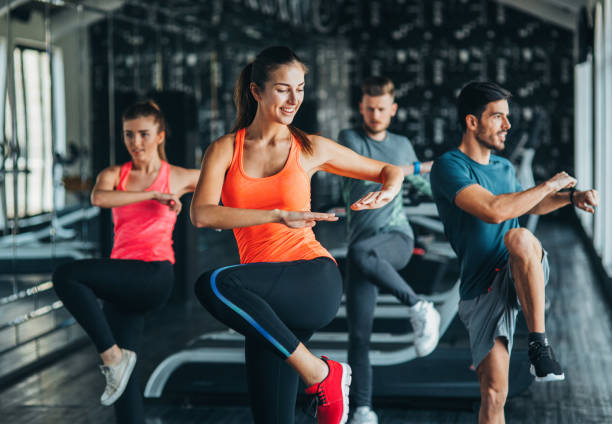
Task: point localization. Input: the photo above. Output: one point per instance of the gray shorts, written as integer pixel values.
(493, 314)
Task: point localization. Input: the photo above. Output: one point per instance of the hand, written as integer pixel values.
(586, 200)
(561, 180)
(373, 200)
(304, 219)
(170, 200)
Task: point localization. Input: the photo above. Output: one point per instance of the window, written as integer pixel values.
(29, 183)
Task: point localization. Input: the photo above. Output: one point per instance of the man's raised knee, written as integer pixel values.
(520, 241)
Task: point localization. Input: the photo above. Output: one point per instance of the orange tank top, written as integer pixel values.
(143, 230)
(289, 189)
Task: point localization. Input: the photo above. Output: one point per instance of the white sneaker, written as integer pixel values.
(425, 322)
(117, 377)
(364, 415)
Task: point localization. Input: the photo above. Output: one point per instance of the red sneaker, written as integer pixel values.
(332, 393)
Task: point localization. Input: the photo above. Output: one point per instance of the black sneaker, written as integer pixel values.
(544, 365)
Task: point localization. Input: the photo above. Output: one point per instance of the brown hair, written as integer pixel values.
(144, 109)
(377, 86)
(258, 72)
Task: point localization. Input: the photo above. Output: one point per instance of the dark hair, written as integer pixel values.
(474, 98)
(377, 86)
(258, 72)
(145, 109)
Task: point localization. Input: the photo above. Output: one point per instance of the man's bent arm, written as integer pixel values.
(480, 202)
(550, 203)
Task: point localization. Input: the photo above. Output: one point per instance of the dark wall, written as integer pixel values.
(431, 48)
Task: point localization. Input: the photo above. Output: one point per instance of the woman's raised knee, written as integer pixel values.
(61, 275)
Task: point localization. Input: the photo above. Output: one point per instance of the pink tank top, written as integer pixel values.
(143, 230)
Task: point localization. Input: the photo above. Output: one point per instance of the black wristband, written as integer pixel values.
(571, 195)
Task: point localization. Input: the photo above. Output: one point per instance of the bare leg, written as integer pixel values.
(311, 368)
(526, 262)
(111, 356)
(493, 378)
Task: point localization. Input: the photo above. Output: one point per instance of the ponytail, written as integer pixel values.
(246, 106)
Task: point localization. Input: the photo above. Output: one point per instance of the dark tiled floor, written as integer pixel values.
(579, 326)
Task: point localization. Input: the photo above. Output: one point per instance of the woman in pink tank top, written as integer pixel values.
(144, 195)
(287, 285)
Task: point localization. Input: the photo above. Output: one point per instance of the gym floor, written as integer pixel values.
(579, 325)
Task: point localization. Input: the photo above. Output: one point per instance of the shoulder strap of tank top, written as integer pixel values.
(296, 148)
(163, 180)
(123, 175)
(238, 146)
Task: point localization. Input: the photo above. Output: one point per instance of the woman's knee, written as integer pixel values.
(62, 275)
(202, 287)
(211, 286)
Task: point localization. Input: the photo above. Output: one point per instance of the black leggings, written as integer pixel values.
(276, 305)
(129, 289)
(373, 264)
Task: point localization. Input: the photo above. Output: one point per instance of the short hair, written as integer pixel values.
(475, 97)
(377, 86)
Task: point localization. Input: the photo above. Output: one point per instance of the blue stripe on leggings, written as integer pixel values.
(243, 314)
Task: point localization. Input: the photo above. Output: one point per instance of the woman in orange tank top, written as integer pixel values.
(144, 196)
(287, 285)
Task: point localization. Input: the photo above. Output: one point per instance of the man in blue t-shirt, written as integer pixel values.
(503, 266)
(380, 243)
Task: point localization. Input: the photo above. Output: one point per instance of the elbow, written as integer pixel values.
(96, 200)
(197, 221)
(493, 216)
(495, 219)
(200, 223)
(199, 218)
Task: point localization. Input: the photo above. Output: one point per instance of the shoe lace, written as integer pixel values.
(108, 374)
(317, 399)
(538, 351)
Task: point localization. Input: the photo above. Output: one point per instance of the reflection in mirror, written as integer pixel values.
(45, 172)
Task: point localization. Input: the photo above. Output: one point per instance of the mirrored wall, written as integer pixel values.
(45, 172)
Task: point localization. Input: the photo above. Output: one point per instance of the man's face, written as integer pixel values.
(377, 112)
(493, 126)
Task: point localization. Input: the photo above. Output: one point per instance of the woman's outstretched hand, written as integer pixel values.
(373, 200)
(294, 219)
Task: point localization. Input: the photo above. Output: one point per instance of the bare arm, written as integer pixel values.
(206, 211)
(104, 194)
(550, 203)
(337, 159)
(409, 169)
(183, 180)
(586, 200)
(480, 202)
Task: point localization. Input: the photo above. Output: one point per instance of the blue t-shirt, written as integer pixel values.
(394, 149)
(478, 245)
